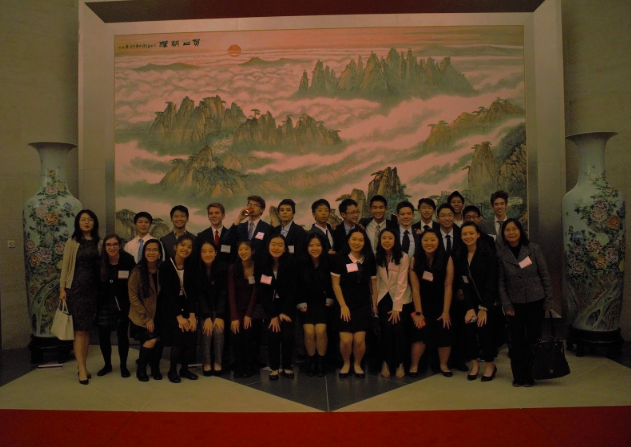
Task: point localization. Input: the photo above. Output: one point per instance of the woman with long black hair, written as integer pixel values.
(79, 283)
(113, 305)
(476, 273)
(354, 277)
(177, 304)
(143, 288)
(316, 290)
(276, 282)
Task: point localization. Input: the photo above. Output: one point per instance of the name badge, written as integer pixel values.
(225, 248)
(428, 276)
(465, 279)
(350, 268)
(260, 236)
(276, 296)
(525, 263)
(123, 274)
(266, 280)
(251, 280)
(291, 249)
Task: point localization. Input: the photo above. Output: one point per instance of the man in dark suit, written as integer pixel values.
(294, 234)
(373, 225)
(409, 239)
(179, 219)
(254, 229)
(350, 213)
(426, 208)
(217, 233)
(471, 213)
(493, 227)
(450, 233)
(321, 211)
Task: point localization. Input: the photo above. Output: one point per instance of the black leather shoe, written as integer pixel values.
(105, 370)
(360, 375)
(83, 382)
(412, 374)
(472, 377)
(491, 377)
(517, 383)
(343, 375)
(288, 373)
(185, 373)
(273, 376)
(446, 373)
(208, 373)
(156, 374)
(141, 375)
(174, 377)
(125, 372)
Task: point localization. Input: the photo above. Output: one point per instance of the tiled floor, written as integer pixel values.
(594, 381)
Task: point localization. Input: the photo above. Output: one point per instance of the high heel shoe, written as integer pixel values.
(288, 373)
(83, 382)
(491, 377)
(472, 377)
(447, 373)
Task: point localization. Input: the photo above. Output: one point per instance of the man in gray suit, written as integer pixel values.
(499, 202)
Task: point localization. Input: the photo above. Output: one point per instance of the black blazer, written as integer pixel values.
(168, 242)
(328, 246)
(419, 226)
(295, 237)
(170, 303)
(240, 233)
(284, 287)
(225, 239)
(456, 241)
(212, 292)
(480, 287)
(339, 238)
(366, 221)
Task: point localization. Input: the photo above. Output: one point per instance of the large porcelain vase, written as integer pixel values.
(48, 223)
(593, 236)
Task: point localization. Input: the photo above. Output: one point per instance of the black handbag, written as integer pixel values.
(548, 359)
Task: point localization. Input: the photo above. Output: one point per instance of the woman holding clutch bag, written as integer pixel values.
(78, 283)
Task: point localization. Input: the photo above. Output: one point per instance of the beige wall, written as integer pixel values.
(597, 67)
(38, 75)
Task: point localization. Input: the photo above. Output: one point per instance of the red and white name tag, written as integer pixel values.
(123, 274)
(350, 268)
(260, 236)
(525, 263)
(266, 280)
(225, 248)
(428, 276)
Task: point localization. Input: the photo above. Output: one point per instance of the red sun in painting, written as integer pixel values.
(234, 50)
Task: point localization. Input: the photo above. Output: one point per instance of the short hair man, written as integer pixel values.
(217, 233)
(426, 208)
(377, 221)
(142, 224)
(179, 219)
(294, 234)
(350, 214)
(321, 211)
(254, 229)
(499, 202)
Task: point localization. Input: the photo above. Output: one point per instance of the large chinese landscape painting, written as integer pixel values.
(303, 114)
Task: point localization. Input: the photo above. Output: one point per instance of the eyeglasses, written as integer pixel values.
(470, 216)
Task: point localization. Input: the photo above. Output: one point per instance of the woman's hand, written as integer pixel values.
(394, 316)
(150, 325)
(182, 323)
(219, 324)
(62, 294)
(208, 327)
(470, 315)
(482, 317)
(284, 317)
(345, 313)
(234, 326)
(303, 309)
(274, 324)
(192, 323)
(419, 320)
(510, 313)
(446, 320)
(247, 322)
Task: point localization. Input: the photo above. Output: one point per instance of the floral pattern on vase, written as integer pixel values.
(594, 241)
(48, 222)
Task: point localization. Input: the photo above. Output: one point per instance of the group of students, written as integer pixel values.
(444, 284)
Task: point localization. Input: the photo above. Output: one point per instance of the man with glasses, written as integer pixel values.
(350, 213)
(254, 229)
(471, 213)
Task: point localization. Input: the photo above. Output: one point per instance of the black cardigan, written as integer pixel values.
(483, 273)
(284, 286)
(212, 292)
(170, 304)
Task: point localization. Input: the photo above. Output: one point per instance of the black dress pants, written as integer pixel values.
(277, 341)
(392, 338)
(525, 329)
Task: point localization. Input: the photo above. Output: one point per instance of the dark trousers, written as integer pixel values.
(481, 338)
(243, 348)
(525, 329)
(459, 351)
(276, 340)
(122, 328)
(392, 339)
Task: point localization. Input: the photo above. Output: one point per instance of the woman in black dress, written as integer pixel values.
(276, 282)
(317, 290)
(242, 296)
(431, 276)
(476, 272)
(177, 304)
(79, 283)
(143, 288)
(212, 296)
(354, 277)
(113, 305)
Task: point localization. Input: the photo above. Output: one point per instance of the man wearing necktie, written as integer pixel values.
(426, 208)
(293, 233)
(142, 224)
(407, 236)
(373, 225)
(499, 202)
(254, 229)
(217, 233)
